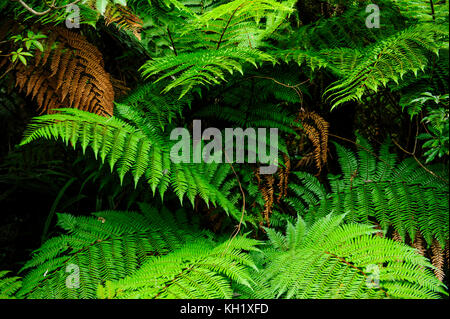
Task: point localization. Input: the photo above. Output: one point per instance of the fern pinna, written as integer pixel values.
(107, 246)
(8, 285)
(198, 270)
(153, 255)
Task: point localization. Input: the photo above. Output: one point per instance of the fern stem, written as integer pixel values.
(171, 40)
(226, 26)
(432, 10)
(420, 163)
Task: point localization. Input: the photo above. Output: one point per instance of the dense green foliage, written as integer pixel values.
(376, 189)
(358, 206)
(329, 260)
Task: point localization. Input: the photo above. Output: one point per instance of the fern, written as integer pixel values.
(140, 150)
(197, 270)
(226, 36)
(403, 196)
(239, 23)
(202, 67)
(160, 110)
(9, 285)
(389, 60)
(108, 246)
(329, 259)
(423, 10)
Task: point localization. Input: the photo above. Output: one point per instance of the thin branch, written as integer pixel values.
(7, 71)
(226, 27)
(294, 87)
(171, 41)
(50, 7)
(238, 227)
(420, 163)
(38, 13)
(432, 10)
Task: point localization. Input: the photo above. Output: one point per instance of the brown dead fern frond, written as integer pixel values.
(437, 259)
(396, 236)
(283, 174)
(316, 130)
(69, 73)
(420, 244)
(446, 251)
(120, 87)
(266, 187)
(124, 18)
(379, 233)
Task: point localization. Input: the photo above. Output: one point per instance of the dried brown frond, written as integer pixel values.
(124, 18)
(69, 73)
(266, 187)
(283, 174)
(437, 259)
(120, 87)
(380, 232)
(447, 254)
(420, 244)
(396, 236)
(316, 130)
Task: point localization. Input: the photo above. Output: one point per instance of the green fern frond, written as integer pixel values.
(240, 23)
(202, 67)
(141, 150)
(375, 188)
(389, 60)
(329, 259)
(424, 10)
(197, 270)
(109, 246)
(9, 285)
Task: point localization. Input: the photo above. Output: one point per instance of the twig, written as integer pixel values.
(6, 72)
(413, 153)
(419, 162)
(238, 227)
(432, 10)
(226, 26)
(51, 7)
(171, 40)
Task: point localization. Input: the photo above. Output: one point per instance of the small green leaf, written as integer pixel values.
(101, 6)
(22, 59)
(38, 45)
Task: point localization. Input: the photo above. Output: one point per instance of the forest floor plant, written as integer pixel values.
(325, 175)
